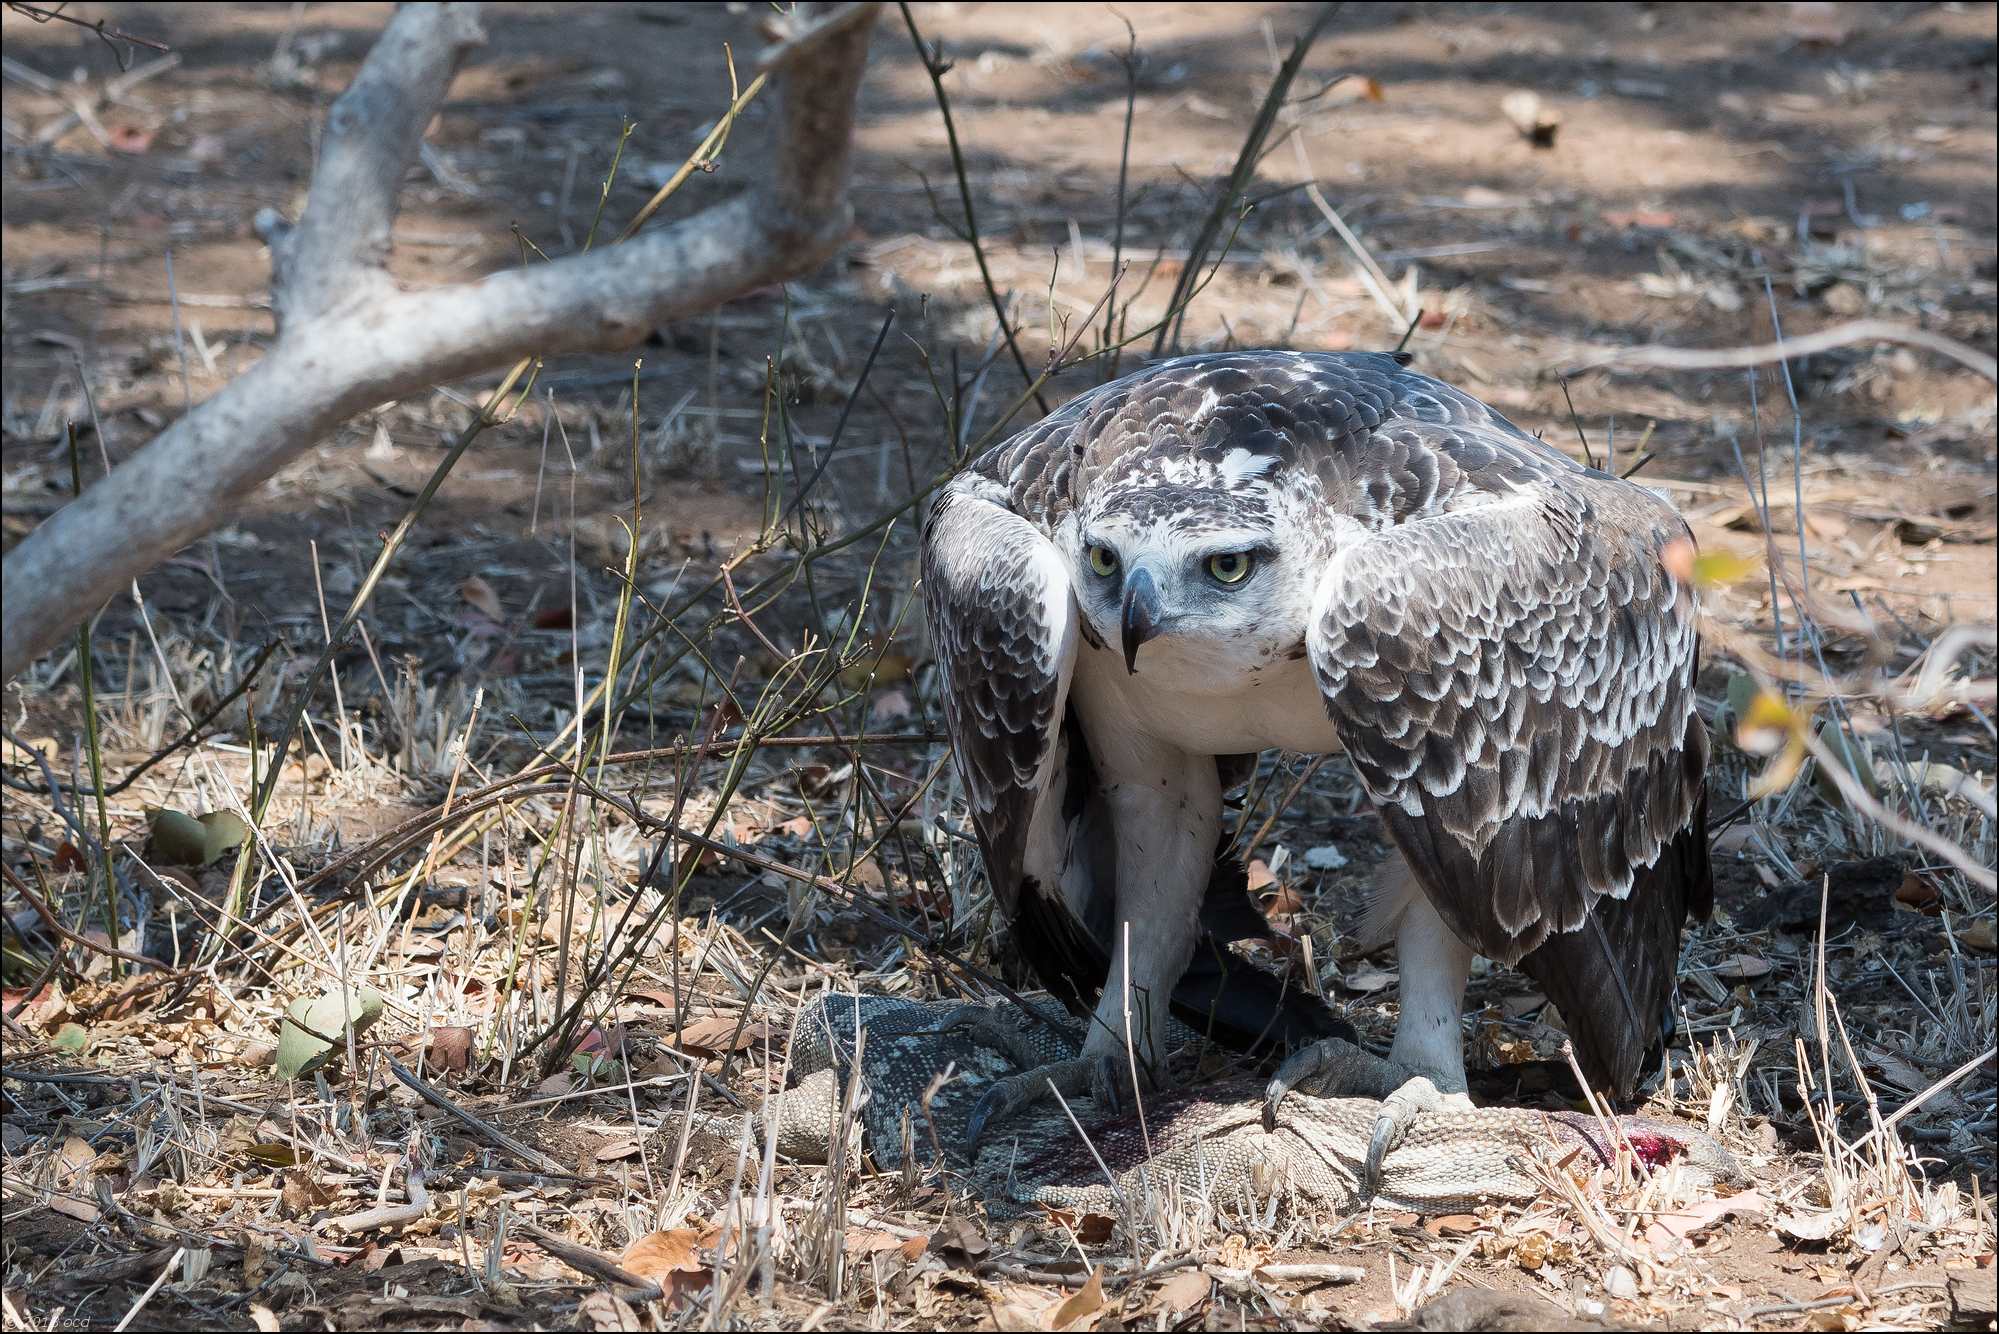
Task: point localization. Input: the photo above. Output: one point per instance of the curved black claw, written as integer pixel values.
(1312, 1068)
(1080, 1076)
(1387, 1130)
(1273, 1097)
(991, 1101)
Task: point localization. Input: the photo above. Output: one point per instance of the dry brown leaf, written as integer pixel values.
(960, 1236)
(671, 1259)
(1080, 1309)
(718, 1034)
(1979, 934)
(451, 1047)
(869, 1241)
(1452, 1225)
(1260, 877)
(1285, 903)
(1743, 968)
(1917, 892)
(1181, 1292)
(1090, 1229)
(1691, 1220)
(479, 596)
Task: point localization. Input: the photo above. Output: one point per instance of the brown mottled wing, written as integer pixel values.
(1514, 681)
(1003, 626)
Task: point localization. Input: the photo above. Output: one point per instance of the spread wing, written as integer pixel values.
(1514, 681)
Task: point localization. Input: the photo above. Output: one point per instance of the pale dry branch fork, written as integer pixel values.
(349, 337)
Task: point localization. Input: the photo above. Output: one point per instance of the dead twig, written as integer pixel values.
(1803, 345)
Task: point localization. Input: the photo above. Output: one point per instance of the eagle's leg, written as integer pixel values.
(1165, 809)
(1425, 1068)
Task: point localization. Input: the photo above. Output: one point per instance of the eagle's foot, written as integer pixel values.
(1417, 1097)
(1334, 1067)
(1100, 1078)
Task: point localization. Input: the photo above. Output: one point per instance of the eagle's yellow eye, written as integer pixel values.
(1103, 561)
(1230, 567)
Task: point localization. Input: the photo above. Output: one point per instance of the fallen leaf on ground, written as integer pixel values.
(869, 1241)
(1743, 968)
(451, 1047)
(1979, 935)
(1090, 1229)
(719, 1033)
(1809, 1224)
(1080, 1309)
(479, 596)
(1917, 892)
(671, 1259)
(1367, 979)
(1693, 1219)
(960, 1236)
(1181, 1292)
(315, 1030)
(1452, 1225)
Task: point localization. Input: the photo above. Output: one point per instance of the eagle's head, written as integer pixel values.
(1203, 562)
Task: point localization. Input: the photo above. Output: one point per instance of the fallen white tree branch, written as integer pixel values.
(348, 338)
(1804, 345)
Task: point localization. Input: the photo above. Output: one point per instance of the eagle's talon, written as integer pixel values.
(1418, 1096)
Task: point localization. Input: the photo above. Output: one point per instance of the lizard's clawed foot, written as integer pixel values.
(1099, 1078)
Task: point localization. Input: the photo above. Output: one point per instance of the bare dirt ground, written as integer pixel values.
(1713, 177)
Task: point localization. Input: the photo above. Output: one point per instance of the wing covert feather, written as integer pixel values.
(1515, 683)
(1003, 626)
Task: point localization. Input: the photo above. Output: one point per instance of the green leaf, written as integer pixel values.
(315, 1031)
(179, 839)
(221, 832)
(176, 839)
(1742, 692)
(1852, 754)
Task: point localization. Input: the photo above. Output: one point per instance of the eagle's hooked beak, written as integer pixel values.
(1142, 609)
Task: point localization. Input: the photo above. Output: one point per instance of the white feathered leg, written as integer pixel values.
(1165, 809)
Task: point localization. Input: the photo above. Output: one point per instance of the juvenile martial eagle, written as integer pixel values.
(1223, 554)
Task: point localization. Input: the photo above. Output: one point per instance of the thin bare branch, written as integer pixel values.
(1804, 345)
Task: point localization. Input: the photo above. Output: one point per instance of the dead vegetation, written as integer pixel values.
(630, 749)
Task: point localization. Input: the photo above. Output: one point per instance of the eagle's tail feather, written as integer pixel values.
(1636, 942)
